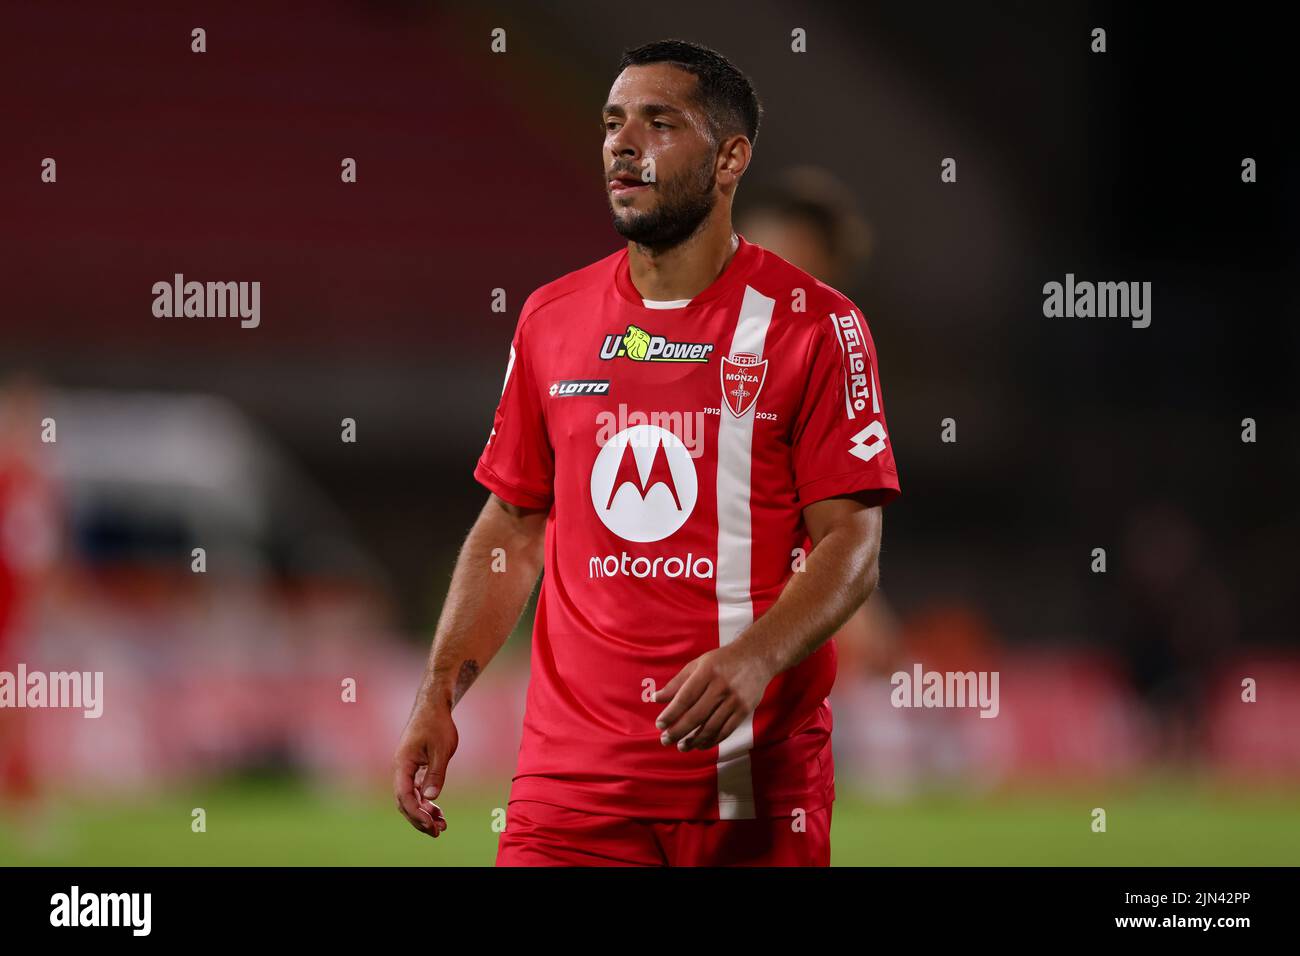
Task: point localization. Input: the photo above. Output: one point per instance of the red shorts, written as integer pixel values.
(540, 834)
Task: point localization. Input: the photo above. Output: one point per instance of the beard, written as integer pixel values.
(684, 203)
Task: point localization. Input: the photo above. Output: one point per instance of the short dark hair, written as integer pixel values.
(725, 93)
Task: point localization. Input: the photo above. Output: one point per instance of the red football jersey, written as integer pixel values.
(675, 449)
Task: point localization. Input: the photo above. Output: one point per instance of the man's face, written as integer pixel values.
(654, 131)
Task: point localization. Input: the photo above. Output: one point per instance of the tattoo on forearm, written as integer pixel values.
(468, 672)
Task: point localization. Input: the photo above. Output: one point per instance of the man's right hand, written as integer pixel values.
(470, 632)
(420, 765)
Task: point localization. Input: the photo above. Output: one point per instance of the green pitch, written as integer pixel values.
(278, 823)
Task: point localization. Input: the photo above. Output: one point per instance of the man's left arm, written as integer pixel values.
(713, 694)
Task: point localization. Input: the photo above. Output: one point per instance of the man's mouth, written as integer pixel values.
(627, 184)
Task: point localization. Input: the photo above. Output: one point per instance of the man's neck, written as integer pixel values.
(688, 268)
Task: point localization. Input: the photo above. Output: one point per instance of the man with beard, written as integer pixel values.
(677, 708)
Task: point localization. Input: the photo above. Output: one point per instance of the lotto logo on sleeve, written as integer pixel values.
(643, 483)
(869, 442)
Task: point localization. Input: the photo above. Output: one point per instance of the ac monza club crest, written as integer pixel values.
(742, 377)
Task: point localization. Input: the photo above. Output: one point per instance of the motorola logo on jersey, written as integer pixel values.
(643, 483)
(612, 565)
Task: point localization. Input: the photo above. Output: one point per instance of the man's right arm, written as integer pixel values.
(495, 573)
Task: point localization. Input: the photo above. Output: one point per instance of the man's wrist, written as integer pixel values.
(437, 692)
(762, 649)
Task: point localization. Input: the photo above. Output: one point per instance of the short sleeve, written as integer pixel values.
(840, 442)
(518, 462)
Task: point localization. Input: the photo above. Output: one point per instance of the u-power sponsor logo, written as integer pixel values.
(641, 346)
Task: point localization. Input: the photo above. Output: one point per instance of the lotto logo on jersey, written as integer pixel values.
(641, 346)
(580, 386)
(869, 442)
(643, 483)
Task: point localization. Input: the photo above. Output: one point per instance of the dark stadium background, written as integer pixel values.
(478, 171)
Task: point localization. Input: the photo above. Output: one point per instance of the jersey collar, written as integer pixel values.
(738, 269)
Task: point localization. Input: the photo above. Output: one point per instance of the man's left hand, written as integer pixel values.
(711, 696)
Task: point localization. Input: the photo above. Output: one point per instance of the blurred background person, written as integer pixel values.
(811, 218)
(808, 217)
(1179, 627)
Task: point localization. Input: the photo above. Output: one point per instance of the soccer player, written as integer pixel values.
(691, 440)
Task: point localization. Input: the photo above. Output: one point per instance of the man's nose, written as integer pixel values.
(624, 145)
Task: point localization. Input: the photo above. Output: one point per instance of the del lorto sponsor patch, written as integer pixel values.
(579, 386)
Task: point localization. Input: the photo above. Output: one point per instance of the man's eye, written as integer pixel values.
(610, 125)
(660, 124)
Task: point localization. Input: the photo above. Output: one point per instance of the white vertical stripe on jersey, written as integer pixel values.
(735, 547)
